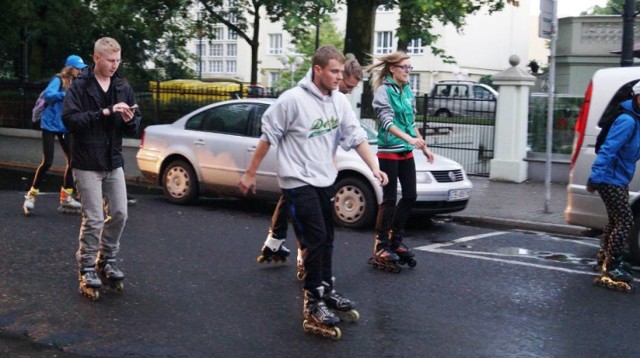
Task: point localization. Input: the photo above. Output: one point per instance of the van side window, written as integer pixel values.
(623, 93)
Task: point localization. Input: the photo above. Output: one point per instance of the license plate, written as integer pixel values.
(458, 194)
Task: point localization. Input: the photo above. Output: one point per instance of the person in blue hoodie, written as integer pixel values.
(52, 128)
(306, 125)
(611, 173)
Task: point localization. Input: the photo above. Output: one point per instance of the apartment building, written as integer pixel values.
(481, 48)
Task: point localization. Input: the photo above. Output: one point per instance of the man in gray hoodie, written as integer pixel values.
(307, 124)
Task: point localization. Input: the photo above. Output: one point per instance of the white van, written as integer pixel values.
(607, 89)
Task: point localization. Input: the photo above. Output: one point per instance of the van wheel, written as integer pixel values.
(634, 240)
(354, 203)
(179, 183)
(443, 113)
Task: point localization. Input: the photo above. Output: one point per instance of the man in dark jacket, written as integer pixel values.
(98, 109)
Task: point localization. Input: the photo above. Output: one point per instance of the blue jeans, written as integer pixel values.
(96, 190)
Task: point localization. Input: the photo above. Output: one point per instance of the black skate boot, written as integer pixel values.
(109, 273)
(383, 257)
(89, 283)
(615, 275)
(318, 318)
(404, 253)
(341, 306)
(273, 250)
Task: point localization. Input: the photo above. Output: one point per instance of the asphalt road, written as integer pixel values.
(193, 288)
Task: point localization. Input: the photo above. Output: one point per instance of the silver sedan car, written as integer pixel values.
(206, 152)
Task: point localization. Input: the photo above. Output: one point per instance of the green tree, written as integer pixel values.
(305, 46)
(39, 34)
(417, 21)
(613, 7)
(243, 17)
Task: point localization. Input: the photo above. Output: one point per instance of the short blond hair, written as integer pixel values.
(352, 68)
(106, 45)
(325, 53)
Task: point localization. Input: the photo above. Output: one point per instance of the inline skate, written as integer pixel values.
(404, 253)
(301, 274)
(615, 276)
(273, 250)
(339, 305)
(318, 318)
(110, 274)
(68, 204)
(384, 258)
(30, 201)
(600, 258)
(89, 283)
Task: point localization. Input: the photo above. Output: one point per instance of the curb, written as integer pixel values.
(549, 228)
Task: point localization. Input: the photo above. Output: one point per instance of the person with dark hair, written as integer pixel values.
(307, 124)
(52, 128)
(611, 173)
(394, 105)
(273, 249)
(99, 110)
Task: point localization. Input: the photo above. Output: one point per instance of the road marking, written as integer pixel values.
(433, 247)
(438, 248)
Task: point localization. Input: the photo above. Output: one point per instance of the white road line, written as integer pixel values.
(437, 248)
(457, 241)
(528, 264)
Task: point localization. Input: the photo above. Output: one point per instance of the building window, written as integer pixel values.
(274, 78)
(384, 42)
(415, 47)
(217, 33)
(233, 35)
(414, 82)
(216, 50)
(232, 50)
(231, 66)
(215, 66)
(275, 44)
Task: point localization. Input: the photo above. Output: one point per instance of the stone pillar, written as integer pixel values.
(512, 111)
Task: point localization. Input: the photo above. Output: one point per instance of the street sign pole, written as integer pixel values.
(549, 19)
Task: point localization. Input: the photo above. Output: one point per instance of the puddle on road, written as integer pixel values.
(517, 251)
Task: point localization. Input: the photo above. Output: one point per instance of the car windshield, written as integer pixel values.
(371, 133)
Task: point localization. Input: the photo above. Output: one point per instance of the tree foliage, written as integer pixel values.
(38, 35)
(613, 7)
(243, 17)
(417, 21)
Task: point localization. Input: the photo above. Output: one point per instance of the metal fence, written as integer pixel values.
(158, 104)
(460, 129)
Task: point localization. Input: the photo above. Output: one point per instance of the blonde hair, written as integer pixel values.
(384, 65)
(106, 44)
(352, 68)
(66, 75)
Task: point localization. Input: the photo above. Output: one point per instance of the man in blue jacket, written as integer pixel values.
(611, 173)
(98, 111)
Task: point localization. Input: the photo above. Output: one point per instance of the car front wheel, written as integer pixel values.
(179, 183)
(354, 203)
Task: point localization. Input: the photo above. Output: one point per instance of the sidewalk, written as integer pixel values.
(510, 205)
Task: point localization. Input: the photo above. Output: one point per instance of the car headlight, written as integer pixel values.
(423, 177)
